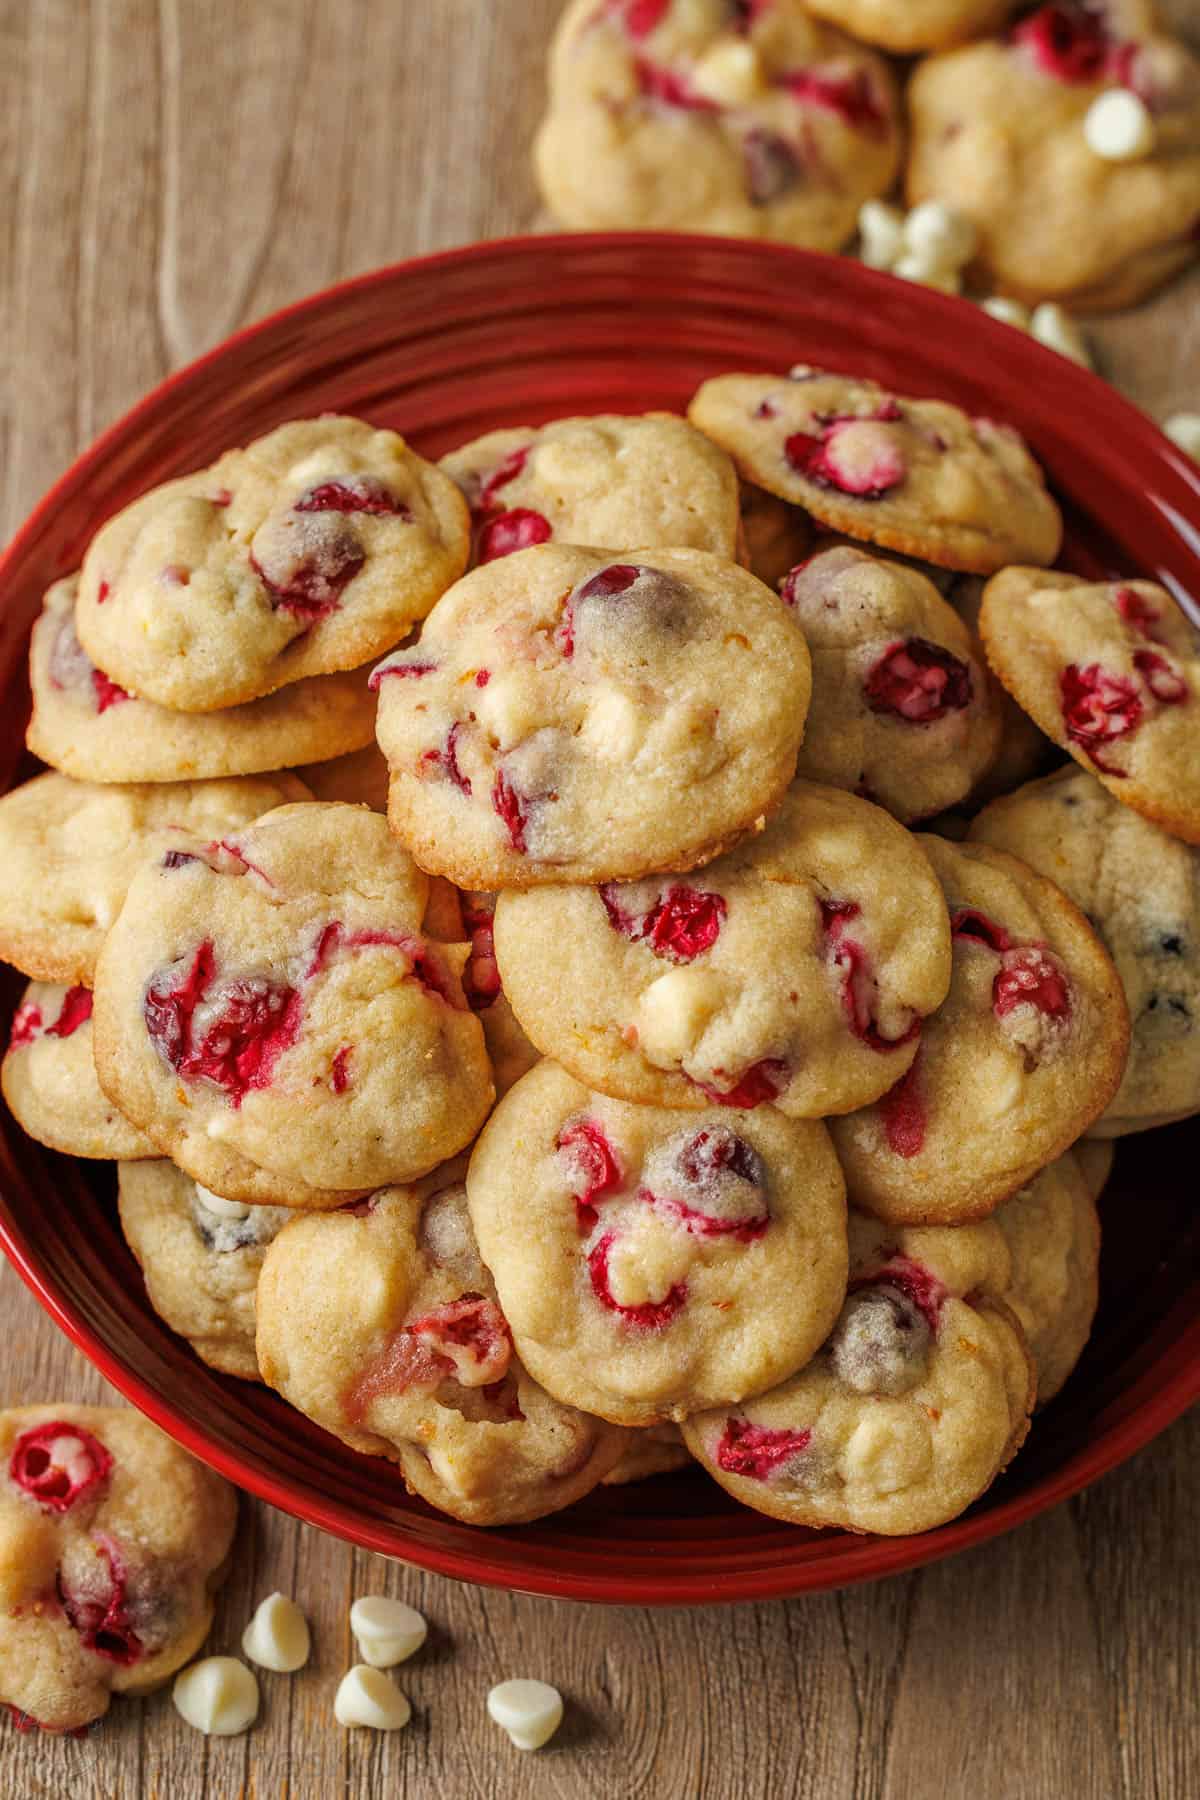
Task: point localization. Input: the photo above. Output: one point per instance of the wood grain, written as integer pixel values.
(169, 171)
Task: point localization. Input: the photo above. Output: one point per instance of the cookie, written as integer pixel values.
(49, 1078)
(692, 115)
(70, 849)
(1094, 1158)
(655, 1450)
(653, 1262)
(917, 476)
(1052, 1231)
(1023, 751)
(775, 536)
(903, 711)
(919, 1397)
(583, 715)
(652, 480)
(87, 726)
(1140, 888)
(360, 779)
(998, 135)
(200, 1258)
(275, 997)
(314, 549)
(1025, 1054)
(113, 1542)
(1110, 670)
(797, 969)
(381, 1324)
(906, 27)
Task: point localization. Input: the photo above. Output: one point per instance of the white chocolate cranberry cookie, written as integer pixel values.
(653, 1262)
(1111, 671)
(903, 711)
(69, 850)
(907, 26)
(1140, 888)
(655, 1450)
(1001, 133)
(918, 476)
(314, 549)
(200, 1258)
(583, 715)
(273, 995)
(87, 726)
(1024, 1055)
(737, 116)
(381, 1324)
(652, 480)
(1052, 1231)
(917, 1400)
(49, 1078)
(797, 969)
(112, 1543)
(775, 536)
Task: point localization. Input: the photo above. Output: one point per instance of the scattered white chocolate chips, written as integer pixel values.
(530, 1711)
(219, 1207)
(927, 273)
(1184, 429)
(1118, 126)
(277, 1637)
(939, 235)
(881, 234)
(386, 1631)
(1053, 326)
(368, 1697)
(1009, 312)
(930, 245)
(218, 1696)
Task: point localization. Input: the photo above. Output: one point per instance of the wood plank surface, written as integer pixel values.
(170, 169)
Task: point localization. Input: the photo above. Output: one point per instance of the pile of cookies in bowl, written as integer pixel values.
(582, 954)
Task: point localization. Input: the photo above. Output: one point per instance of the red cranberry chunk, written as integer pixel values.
(26, 1025)
(772, 166)
(446, 759)
(414, 666)
(860, 990)
(1164, 681)
(471, 1334)
(919, 682)
(504, 472)
(880, 1344)
(680, 926)
(102, 1619)
(353, 494)
(845, 458)
(1098, 708)
(640, 17)
(58, 1464)
(968, 922)
(1067, 41)
(481, 977)
(339, 1070)
(669, 87)
(596, 1168)
(102, 592)
(1138, 613)
(519, 529)
(245, 1024)
(755, 1451)
(510, 806)
(107, 692)
(761, 1082)
(308, 563)
(902, 1110)
(1032, 976)
(651, 1315)
(713, 1184)
(852, 97)
(76, 1010)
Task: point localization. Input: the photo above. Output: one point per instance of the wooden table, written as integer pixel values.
(171, 169)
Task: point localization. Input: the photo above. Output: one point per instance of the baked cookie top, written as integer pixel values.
(382, 1324)
(1027, 1051)
(918, 1398)
(87, 726)
(918, 476)
(49, 1077)
(907, 26)
(750, 119)
(796, 969)
(652, 1262)
(1111, 671)
(273, 994)
(585, 715)
(112, 1543)
(610, 479)
(314, 549)
(1052, 1231)
(1140, 888)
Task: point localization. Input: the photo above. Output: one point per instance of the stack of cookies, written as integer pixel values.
(607, 1076)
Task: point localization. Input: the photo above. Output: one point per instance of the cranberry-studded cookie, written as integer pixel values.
(200, 1258)
(113, 1542)
(583, 715)
(1140, 888)
(918, 476)
(49, 1077)
(1023, 750)
(738, 116)
(1024, 1055)
(903, 711)
(1111, 671)
(655, 1450)
(917, 1400)
(87, 726)
(69, 850)
(797, 969)
(907, 26)
(652, 1262)
(1094, 1158)
(273, 996)
(314, 549)
(360, 779)
(1052, 1231)
(1069, 204)
(381, 1324)
(775, 536)
(650, 480)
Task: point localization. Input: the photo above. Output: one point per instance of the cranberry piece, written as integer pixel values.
(169, 1004)
(1031, 976)
(766, 409)
(1138, 613)
(470, 1334)
(58, 1464)
(102, 593)
(482, 677)
(519, 529)
(755, 1451)
(509, 804)
(651, 1315)
(1161, 677)
(107, 692)
(387, 669)
(670, 88)
(680, 926)
(919, 682)
(968, 922)
(597, 1162)
(762, 1081)
(312, 585)
(504, 472)
(640, 17)
(339, 1070)
(1066, 41)
(772, 166)
(404, 1363)
(255, 1021)
(828, 461)
(76, 1011)
(617, 579)
(179, 859)
(716, 1166)
(917, 1283)
(104, 1625)
(26, 1025)
(447, 759)
(852, 97)
(880, 1344)
(1098, 708)
(902, 1110)
(356, 494)
(859, 987)
(481, 977)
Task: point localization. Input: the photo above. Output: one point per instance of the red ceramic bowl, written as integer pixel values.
(524, 331)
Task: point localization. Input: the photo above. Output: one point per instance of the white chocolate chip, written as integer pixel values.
(386, 1631)
(220, 1207)
(369, 1697)
(530, 1711)
(673, 1013)
(890, 1449)
(277, 1637)
(1053, 326)
(614, 726)
(1009, 312)
(730, 74)
(939, 236)
(1118, 126)
(506, 707)
(649, 1258)
(1184, 429)
(918, 267)
(219, 1696)
(880, 233)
